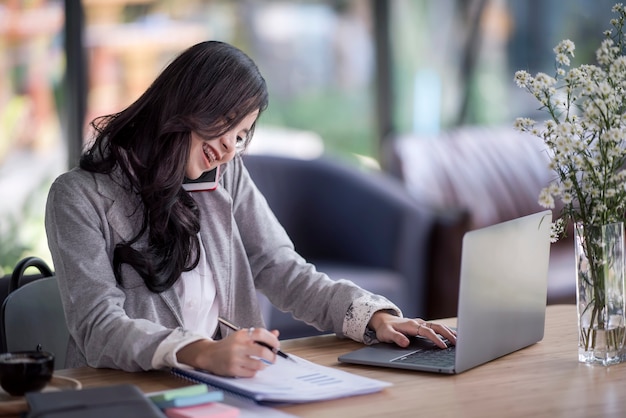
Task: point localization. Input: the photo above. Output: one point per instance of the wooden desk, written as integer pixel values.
(545, 379)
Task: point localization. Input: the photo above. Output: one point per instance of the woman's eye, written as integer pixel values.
(241, 142)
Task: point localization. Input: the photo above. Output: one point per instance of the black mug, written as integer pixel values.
(25, 371)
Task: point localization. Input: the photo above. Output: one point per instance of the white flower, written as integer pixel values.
(606, 52)
(567, 184)
(565, 47)
(524, 124)
(543, 81)
(567, 198)
(545, 199)
(556, 230)
(574, 77)
(562, 59)
(585, 133)
(604, 89)
(523, 79)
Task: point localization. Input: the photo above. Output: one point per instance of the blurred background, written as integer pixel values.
(344, 76)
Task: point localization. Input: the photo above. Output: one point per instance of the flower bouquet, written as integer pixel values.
(585, 136)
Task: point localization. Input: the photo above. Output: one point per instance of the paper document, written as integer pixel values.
(291, 382)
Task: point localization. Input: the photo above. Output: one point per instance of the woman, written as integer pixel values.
(145, 268)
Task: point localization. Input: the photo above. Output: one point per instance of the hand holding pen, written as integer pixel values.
(250, 330)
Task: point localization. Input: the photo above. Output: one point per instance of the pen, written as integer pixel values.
(236, 328)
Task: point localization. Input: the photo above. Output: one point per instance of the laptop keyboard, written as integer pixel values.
(435, 357)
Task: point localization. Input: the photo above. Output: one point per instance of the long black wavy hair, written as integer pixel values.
(208, 89)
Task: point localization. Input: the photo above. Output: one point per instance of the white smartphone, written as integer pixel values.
(207, 181)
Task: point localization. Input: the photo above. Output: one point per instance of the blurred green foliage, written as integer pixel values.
(344, 121)
(23, 233)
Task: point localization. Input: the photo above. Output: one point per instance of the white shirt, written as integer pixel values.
(197, 294)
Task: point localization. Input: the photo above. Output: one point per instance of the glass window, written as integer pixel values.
(31, 99)
(317, 58)
(452, 64)
(454, 61)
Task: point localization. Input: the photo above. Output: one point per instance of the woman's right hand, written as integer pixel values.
(237, 355)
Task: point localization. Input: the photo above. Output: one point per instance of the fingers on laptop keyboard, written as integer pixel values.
(448, 335)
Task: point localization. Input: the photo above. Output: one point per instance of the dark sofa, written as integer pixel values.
(492, 174)
(354, 224)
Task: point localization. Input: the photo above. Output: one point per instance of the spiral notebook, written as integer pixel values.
(290, 382)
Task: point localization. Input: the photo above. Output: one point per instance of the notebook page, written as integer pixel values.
(292, 382)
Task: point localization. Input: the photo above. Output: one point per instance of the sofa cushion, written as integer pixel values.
(495, 173)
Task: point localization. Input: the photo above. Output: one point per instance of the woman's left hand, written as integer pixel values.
(393, 329)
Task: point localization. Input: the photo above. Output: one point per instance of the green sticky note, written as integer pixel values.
(182, 402)
(168, 395)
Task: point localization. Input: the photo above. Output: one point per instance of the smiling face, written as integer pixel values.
(205, 155)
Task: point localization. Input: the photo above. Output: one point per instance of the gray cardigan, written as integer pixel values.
(120, 327)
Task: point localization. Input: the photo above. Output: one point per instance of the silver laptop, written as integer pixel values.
(502, 301)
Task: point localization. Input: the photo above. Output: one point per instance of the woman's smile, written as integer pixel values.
(210, 153)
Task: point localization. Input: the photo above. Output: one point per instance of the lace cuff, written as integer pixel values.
(165, 354)
(359, 315)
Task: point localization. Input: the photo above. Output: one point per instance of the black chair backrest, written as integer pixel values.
(20, 269)
(32, 316)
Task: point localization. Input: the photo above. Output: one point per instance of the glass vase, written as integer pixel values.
(600, 296)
